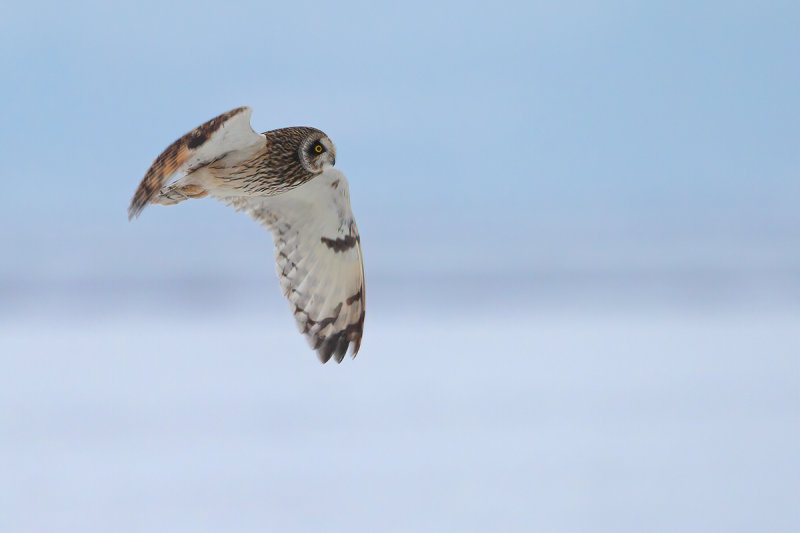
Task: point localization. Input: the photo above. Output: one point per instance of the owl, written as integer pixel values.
(285, 179)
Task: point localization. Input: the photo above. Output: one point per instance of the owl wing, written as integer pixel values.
(318, 260)
(230, 132)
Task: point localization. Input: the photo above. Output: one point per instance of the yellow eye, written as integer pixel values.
(318, 148)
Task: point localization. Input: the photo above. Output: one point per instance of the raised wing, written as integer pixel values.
(319, 263)
(230, 132)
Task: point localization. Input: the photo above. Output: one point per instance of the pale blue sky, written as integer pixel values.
(581, 236)
(479, 134)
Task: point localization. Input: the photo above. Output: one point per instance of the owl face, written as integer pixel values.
(317, 152)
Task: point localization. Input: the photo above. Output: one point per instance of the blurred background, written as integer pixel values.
(582, 246)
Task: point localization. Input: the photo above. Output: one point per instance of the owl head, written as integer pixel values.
(316, 151)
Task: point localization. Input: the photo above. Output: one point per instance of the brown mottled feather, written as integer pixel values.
(173, 158)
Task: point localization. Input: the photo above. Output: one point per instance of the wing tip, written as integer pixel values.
(135, 209)
(337, 345)
(325, 356)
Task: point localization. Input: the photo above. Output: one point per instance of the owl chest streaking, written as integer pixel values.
(286, 180)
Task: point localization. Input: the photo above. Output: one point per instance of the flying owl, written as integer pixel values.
(285, 179)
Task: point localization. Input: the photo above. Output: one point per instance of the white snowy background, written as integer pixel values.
(582, 242)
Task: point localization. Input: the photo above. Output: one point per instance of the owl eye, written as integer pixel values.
(318, 148)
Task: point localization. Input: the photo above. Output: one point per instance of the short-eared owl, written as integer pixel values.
(285, 180)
